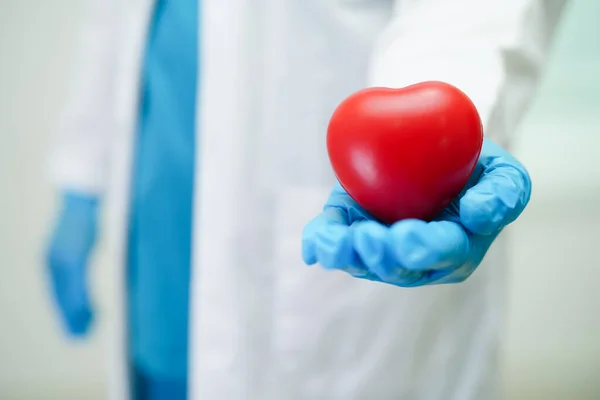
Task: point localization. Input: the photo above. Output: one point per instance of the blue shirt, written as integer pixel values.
(159, 246)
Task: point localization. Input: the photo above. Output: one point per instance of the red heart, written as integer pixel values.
(405, 153)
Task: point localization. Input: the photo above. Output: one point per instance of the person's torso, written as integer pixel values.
(265, 326)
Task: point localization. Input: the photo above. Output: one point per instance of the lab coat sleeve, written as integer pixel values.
(79, 158)
(493, 50)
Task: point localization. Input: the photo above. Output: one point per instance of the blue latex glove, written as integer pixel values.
(72, 241)
(413, 252)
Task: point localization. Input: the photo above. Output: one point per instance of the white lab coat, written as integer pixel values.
(264, 326)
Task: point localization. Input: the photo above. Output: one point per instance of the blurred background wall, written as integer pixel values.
(552, 341)
(552, 346)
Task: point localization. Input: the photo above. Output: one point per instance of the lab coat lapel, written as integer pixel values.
(216, 369)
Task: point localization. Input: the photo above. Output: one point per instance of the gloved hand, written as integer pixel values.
(67, 257)
(413, 252)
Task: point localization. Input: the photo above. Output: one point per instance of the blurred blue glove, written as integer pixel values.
(413, 252)
(73, 238)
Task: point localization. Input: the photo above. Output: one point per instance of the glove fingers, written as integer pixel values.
(78, 321)
(71, 295)
(327, 240)
(370, 242)
(499, 196)
(80, 310)
(334, 247)
(422, 246)
(317, 230)
(375, 245)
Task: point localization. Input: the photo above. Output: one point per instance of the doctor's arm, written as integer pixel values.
(494, 51)
(79, 163)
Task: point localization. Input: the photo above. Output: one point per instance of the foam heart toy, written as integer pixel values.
(407, 152)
